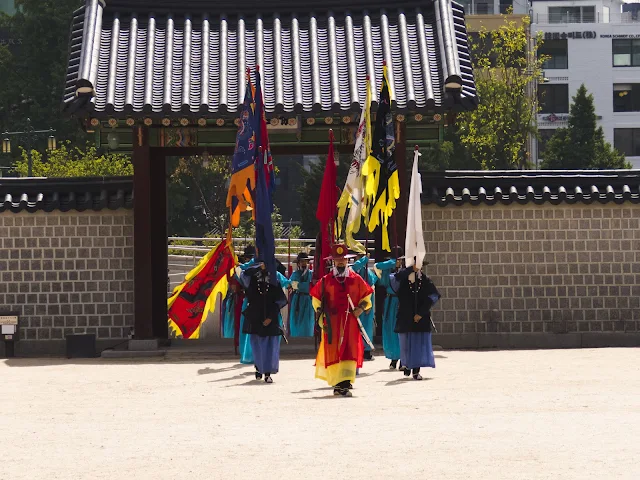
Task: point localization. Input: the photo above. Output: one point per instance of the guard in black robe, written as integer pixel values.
(416, 296)
(262, 319)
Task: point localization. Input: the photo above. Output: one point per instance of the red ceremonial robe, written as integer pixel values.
(338, 360)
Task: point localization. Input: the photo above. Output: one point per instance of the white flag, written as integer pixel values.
(353, 197)
(414, 242)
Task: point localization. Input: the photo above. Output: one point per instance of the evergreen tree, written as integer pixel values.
(581, 145)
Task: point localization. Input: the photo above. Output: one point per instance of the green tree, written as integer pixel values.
(37, 67)
(581, 145)
(68, 161)
(450, 154)
(309, 191)
(506, 68)
(198, 196)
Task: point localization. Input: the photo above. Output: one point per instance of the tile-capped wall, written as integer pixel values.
(68, 272)
(535, 268)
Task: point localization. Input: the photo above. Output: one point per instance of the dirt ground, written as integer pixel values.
(516, 415)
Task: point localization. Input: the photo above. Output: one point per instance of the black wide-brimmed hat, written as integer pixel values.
(399, 251)
(302, 256)
(249, 251)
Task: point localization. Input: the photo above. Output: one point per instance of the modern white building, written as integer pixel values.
(494, 7)
(595, 42)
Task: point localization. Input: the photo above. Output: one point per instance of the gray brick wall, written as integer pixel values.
(535, 268)
(68, 273)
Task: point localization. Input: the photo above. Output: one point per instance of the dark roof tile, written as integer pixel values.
(535, 186)
(172, 58)
(65, 194)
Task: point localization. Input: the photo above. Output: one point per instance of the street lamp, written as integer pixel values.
(51, 143)
(29, 136)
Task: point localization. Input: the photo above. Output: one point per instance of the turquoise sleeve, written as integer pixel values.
(360, 264)
(284, 281)
(244, 266)
(387, 265)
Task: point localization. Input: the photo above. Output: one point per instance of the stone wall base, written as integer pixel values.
(54, 348)
(474, 341)
(462, 341)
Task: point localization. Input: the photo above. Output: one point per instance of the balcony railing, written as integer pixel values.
(568, 18)
(478, 8)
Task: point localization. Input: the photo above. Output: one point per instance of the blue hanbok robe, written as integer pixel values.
(361, 267)
(301, 314)
(390, 339)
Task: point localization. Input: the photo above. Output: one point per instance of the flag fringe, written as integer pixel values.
(384, 207)
(241, 185)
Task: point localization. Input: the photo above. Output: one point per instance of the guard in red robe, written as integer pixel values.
(339, 298)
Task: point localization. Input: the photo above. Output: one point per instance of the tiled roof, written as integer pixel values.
(169, 58)
(65, 194)
(533, 186)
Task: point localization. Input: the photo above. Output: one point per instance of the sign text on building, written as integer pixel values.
(565, 35)
(628, 35)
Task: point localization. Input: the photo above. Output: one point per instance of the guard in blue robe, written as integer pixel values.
(417, 295)
(361, 267)
(390, 340)
(262, 319)
(301, 314)
(246, 352)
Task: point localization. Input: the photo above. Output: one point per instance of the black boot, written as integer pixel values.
(406, 371)
(342, 389)
(402, 368)
(368, 355)
(393, 364)
(258, 374)
(267, 377)
(416, 374)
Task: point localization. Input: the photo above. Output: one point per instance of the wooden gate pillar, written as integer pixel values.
(150, 238)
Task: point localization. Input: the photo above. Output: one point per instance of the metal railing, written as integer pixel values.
(569, 18)
(478, 8)
(186, 252)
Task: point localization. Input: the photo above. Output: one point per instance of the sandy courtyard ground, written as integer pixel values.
(572, 414)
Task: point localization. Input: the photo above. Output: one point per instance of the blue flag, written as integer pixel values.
(265, 243)
(263, 205)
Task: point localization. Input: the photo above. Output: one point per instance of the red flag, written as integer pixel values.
(195, 298)
(327, 204)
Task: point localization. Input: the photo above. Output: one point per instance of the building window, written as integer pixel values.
(478, 7)
(572, 14)
(505, 5)
(483, 8)
(554, 98)
(626, 52)
(626, 97)
(557, 51)
(627, 141)
(588, 14)
(544, 135)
